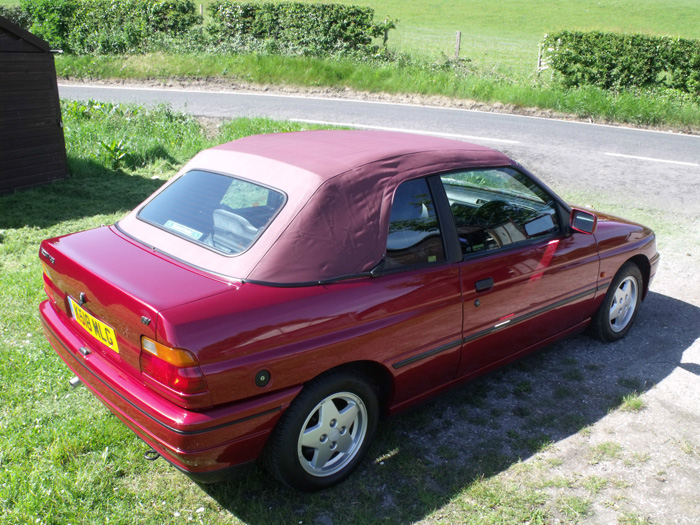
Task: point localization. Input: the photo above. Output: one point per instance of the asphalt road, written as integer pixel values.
(652, 168)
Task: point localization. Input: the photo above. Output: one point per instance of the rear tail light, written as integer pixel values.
(175, 368)
(52, 290)
(48, 281)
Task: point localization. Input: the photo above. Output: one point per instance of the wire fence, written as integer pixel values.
(507, 57)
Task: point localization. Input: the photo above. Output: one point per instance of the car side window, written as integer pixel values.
(414, 232)
(494, 208)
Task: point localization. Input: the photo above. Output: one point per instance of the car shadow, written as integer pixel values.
(91, 190)
(423, 459)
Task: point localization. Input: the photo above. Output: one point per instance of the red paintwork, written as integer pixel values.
(388, 325)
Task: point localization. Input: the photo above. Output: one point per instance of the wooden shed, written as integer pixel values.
(32, 148)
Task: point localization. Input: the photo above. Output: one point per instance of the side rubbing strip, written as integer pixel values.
(427, 354)
(495, 328)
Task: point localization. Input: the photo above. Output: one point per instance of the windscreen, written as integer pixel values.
(223, 213)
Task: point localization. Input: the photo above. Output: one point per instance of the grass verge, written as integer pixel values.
(421, 77)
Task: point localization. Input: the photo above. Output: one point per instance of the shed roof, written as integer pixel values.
(14, 39)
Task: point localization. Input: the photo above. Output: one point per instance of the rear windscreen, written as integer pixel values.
(220, 212)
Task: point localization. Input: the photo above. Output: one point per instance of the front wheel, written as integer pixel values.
(324, 434)
(616, 314)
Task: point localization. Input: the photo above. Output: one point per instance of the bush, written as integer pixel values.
(16, 15)
(108, 26)
(307, 29)
(132, 26)
(620, 61)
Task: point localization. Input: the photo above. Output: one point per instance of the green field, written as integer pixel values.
(421, 22)
(529, 20)
(496, 27)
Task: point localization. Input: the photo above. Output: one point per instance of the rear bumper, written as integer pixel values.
(206, 445)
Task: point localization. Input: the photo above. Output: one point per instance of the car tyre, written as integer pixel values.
(325, 433)
(619, 309)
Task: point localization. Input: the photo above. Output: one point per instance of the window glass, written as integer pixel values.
(414, 232)
(494, 208)
(217, 211)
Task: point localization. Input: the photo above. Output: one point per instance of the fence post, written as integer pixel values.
(201, 10)
(541, 59)
(458, 44)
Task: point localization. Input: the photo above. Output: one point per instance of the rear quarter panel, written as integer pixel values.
(298, 333)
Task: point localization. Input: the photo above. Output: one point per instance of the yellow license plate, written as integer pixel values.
(96, 328)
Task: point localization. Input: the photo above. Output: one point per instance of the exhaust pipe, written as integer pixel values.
(74, 382)
(151, 455)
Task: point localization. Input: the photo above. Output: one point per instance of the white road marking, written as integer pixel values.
(650, 159)
(402, 130)
(379, 102)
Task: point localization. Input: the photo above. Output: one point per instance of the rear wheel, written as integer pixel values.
(618, 311)
(324, 434)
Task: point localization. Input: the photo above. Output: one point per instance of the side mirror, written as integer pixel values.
(583, 221)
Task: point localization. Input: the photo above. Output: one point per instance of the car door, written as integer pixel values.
(525, 277)
(426, 307)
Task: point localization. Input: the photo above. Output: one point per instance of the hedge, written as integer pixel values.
(16, 15)
(107, 26)
(620, 61)
(309, 29)
(132, 26)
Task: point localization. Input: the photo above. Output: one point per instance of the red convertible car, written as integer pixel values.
(283, 292)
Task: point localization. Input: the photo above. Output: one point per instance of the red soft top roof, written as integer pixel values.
(339, 186)
(331, 152)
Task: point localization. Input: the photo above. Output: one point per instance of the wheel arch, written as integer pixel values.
(378, 377)
(645, 267)
(283, 455)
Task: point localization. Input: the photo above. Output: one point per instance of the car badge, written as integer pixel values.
(50, 257)
(82, 300)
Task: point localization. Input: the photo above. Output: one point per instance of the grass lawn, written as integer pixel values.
(531, 19)
(63, 457)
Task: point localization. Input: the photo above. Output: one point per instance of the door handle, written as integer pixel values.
(484, 284)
